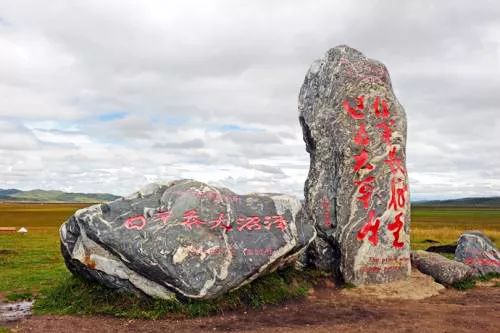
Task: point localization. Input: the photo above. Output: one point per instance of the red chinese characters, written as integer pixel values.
(394, 162)
(326, 212)
(365, 185)
(398, 194)
(138, 222)
(135, 222)
(396, 227)
(384, 113)
(371, 226)
(252, 223)
(163, 216)
(278, 221)
(386, 130)
(191, 219)
(365, 189)
(361, 161)
(355, 113)
(220, 222)
(362, 138)
(248, 223)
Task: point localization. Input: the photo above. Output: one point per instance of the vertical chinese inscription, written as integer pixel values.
(366, 185)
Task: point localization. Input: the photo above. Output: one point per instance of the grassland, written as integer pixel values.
(32, 263)
(53, 196)
(444, 225)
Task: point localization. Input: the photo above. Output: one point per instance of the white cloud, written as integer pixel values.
(108, 96)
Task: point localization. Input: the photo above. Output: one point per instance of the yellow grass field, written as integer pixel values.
(31, 262)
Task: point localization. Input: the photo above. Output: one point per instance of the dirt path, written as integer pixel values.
(325, 310)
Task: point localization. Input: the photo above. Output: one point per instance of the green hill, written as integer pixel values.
(463, 202)
(53, 196)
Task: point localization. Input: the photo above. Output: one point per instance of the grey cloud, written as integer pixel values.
(14, 136)
(267, 169)
(252, 137)
(242, 63)
(190, 144)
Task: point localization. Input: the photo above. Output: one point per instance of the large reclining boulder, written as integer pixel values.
(184, 238)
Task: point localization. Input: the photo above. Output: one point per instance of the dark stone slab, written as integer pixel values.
(443, 270)
(442, 248)
(185, 238)
(479, 252)
(356, 192)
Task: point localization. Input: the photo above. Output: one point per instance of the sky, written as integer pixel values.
(107, 96)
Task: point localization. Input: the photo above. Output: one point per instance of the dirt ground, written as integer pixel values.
(326, 309)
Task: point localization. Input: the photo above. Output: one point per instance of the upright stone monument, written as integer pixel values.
(356, 192)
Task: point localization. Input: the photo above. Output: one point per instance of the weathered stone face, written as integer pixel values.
(357, 188)
(442, 269)
(186, 238)
(479, 252)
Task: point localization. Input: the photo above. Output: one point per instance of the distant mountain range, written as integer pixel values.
(53, 196)
(60, 196)
(464, 202)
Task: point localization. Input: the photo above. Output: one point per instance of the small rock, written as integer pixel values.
(479, 252)
(443, 270)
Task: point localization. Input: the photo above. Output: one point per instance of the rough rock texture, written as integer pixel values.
(322, 256)
(443, 270)
(356, 192)
(479, 252)
(184, 238)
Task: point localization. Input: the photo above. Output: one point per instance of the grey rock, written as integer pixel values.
(321, 255)
(184, 238)
(356, 192)
(479, 252)
(443, 270)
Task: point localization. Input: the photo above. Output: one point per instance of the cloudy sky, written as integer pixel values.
(106, 96)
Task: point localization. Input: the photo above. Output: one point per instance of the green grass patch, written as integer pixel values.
(450, 256)
(348, 285)
(76, 296)
(488, 276)
(14, 297)
(4, 330)
(465, 284)
(470, 282)
(31, 263)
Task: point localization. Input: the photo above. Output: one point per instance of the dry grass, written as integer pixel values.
(38, 215)
(444, 225)
(31, 262)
